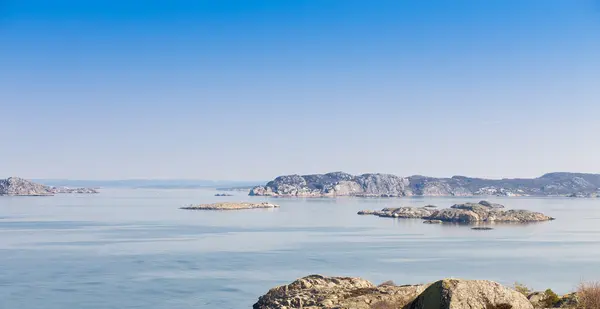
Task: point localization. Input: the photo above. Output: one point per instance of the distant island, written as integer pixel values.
(483, 211)
(15, 186)
(387, 185)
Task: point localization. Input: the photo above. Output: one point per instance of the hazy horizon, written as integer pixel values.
(269, 179)
(239, 90)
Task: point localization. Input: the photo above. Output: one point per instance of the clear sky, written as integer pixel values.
(243, 90)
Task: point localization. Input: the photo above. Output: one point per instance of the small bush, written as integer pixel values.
(523, 289)
(588, 294)
(550, 299)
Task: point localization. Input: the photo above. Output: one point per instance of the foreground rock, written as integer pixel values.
(15, 186)
(317, 291)
(468, 294)
(386, 185)
(230, 206)
(462, 213)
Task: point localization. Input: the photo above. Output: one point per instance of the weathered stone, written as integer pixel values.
(433, 221)
(469, 294)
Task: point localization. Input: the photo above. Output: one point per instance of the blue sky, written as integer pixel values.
(253, 89)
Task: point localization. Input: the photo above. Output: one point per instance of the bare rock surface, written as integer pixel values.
(469, 294)
(230, 206)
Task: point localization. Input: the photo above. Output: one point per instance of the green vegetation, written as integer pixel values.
(523, 289)
(550, 299)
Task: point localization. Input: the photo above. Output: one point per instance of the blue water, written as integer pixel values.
(135, 248)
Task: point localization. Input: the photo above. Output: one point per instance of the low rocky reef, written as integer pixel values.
(462, 213)
(388, 185)
(317, 291)
(15, 186)
(230, 206)
(223, 194)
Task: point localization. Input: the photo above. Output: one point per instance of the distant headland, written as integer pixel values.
(15, 186)
(387, 185)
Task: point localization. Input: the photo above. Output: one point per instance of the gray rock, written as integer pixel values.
(386, 185)
(454, 215)
(433, 221)
(469, 294)
(15, 186)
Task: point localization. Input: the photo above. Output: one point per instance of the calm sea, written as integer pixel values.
(136, 249)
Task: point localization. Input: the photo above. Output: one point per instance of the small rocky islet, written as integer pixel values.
(317, 291)
(231, 206)
(462, 213)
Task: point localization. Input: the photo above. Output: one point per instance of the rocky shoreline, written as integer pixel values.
(15, 186)
(317, 291)
(462, 213)
(231, 206)
(387, 185)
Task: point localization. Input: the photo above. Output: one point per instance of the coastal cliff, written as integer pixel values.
(387, 185)
(14, 186)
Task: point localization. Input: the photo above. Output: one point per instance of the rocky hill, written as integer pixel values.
(387, 185)
(15, 186)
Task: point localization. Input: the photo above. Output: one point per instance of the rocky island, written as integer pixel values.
(387, 185)
(230, 206)
(15, 186)
(320, 292)
(462, 213)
